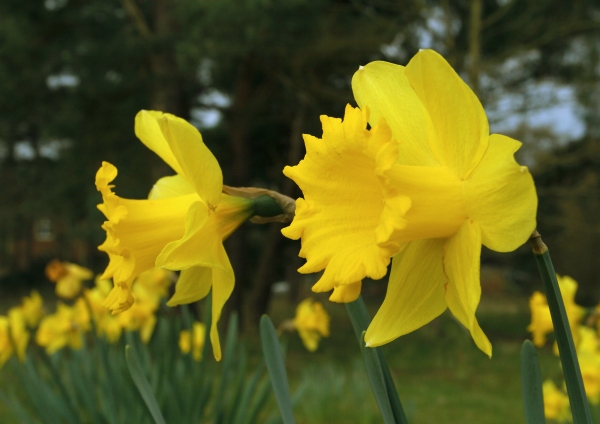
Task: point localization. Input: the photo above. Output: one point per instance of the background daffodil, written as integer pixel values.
(541, 322)
(456, 187)
(181, 226)
(68, 277)
(312, 323)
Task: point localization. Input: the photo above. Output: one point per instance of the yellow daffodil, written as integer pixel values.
(312, 323)
(589, 363)
(64, 327)
(68, 277)
(141, 316)
(14, 336)
(107, 324)
(32, 308)
(6, 346)
(427, 183)
(18, 332)
(556, 403)
(181, 226)
(541, 322)
(193, 340)
(156, 282)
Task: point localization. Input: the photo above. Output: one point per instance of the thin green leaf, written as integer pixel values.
(142, 385)
(377, 381)
(249, 390)
(531, 385)
(276, 368)
(360, 318)
(568, 356)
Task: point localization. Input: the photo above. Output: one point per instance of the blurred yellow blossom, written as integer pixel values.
(589, 363)
(156, 281)
(181, 226)
(193, 340)
(107, 324)
(18, 331)
(68, 277)
(312, 323)
(14, 336)
(32, 307)
(141, 316)
(427, 184)
(64, 327)
(556, 403)
(541, 322)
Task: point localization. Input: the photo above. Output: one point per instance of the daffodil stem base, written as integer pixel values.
(572, 373)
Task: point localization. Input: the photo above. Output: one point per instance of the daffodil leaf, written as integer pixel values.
(141, 382)
(531, 385)
(360, 318)
(375, 375)
(276, 366)
(568, 357)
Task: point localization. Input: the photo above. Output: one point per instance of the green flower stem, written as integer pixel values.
(266, 206)
(568, 356)
(360, 318)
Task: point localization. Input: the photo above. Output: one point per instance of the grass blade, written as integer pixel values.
(276, 368)
(568, 357)
(531, 385)
(143, 386)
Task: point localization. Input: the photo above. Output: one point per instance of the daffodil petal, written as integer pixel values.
(501, 196)
(223, 282)
(346, 293)
(459, 126)
(200, 167)
(463, 291)
(415, 293)
(149, 133)
(384, 89)
(172, 186)
(193, 284)
(198, 247)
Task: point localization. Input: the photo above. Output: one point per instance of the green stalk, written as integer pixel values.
(531, 385)
(568, 356)
(360, 318)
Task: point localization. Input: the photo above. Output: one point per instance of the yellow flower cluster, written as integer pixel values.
(65, 327)
(181, 226)
(427, 185)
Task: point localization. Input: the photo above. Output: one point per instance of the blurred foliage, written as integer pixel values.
(74, 73)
